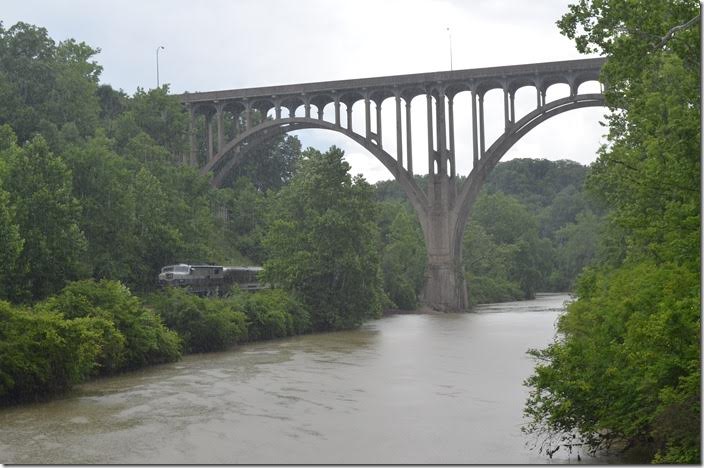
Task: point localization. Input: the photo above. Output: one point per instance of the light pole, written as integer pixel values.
(449, 35)
(157, 64)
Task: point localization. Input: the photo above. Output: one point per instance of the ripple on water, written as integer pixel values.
(443, 388)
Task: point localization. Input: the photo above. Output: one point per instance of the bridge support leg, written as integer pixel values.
(445, 287)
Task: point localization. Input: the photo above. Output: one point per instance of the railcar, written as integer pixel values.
(211, 280)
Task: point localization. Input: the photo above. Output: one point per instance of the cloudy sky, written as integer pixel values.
(228, 44)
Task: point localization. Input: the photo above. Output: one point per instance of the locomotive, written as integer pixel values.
(211, 280)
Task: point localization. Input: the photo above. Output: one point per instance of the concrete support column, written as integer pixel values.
(306, 106)
(441, 131)
(537, 94)
(192, 136)
(399, 133)
(409, 141)
(349, 115)
(221, 125)
(507, 118)
(367, 118)
(451, 123)
(543, 96)
(209, 128)
(320, 113)
(277, 108)
(512, 98)
(445, 287)
(482, 146)
(247, 115)
(431, 151)
(378, 123)
(475, 143)
(337, 111)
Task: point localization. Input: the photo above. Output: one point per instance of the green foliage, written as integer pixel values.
(10, 241)
(139, 337)
(44, 84)
(215, 324)
(536, 182)
(271, 164)
(41, 353)
(629, 351)
(627, 368)
(322, 242)
(103, 187)
(243, 225)
(504, 254)
(203, 324)
(403, 255)
(273, 313)
(47, 217)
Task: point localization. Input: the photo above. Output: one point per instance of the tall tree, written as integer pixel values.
(44, 85)
(627, 366)
(47, 214)
(322, 242)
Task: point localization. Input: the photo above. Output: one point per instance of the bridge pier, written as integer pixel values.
(445, 286)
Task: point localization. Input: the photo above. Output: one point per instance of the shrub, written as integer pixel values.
(139, 337)
(273, 313)
(203, 324)
(42, 353)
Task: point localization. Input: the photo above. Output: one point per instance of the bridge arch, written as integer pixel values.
(444, 209)
(234, 151)
(471, 187)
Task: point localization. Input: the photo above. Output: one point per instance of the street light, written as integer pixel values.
(449, 34)
(157, 64)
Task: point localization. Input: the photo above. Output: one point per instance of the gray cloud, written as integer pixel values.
(247, 43)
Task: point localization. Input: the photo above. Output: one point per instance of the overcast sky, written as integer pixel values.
(218, 44)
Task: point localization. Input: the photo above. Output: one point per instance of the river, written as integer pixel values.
(414, 388)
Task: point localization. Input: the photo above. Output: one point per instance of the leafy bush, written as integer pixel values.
(203, 324)
(627, 361)
(42, 353)
(138, 338)
(273, 314)
(484, 289)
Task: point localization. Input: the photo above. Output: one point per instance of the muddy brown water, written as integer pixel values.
(413, 388)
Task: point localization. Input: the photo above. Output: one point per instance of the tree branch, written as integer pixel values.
(666, 38)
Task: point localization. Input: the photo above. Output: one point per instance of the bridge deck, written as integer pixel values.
(588, 66)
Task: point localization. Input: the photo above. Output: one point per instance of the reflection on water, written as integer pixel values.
(436, 388)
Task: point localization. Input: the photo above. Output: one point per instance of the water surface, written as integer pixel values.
(433, 388)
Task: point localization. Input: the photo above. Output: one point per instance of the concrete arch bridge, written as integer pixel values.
(444, 208)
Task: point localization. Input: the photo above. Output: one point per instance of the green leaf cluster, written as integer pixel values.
(322, 242)
(626, 368)
(89, 328)
(203, 324)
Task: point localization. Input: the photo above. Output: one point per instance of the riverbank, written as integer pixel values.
(409, 388)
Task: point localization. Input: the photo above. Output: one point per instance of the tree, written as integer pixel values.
(47, 215)
(270, 165)
(626, 368)
(43, 84)
(322, 242)
(10, 241)
(103, 186)
(403, 257)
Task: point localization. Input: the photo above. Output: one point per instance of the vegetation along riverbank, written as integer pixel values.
(96, 196)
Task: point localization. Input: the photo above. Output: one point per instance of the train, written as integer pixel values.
(211, 280)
